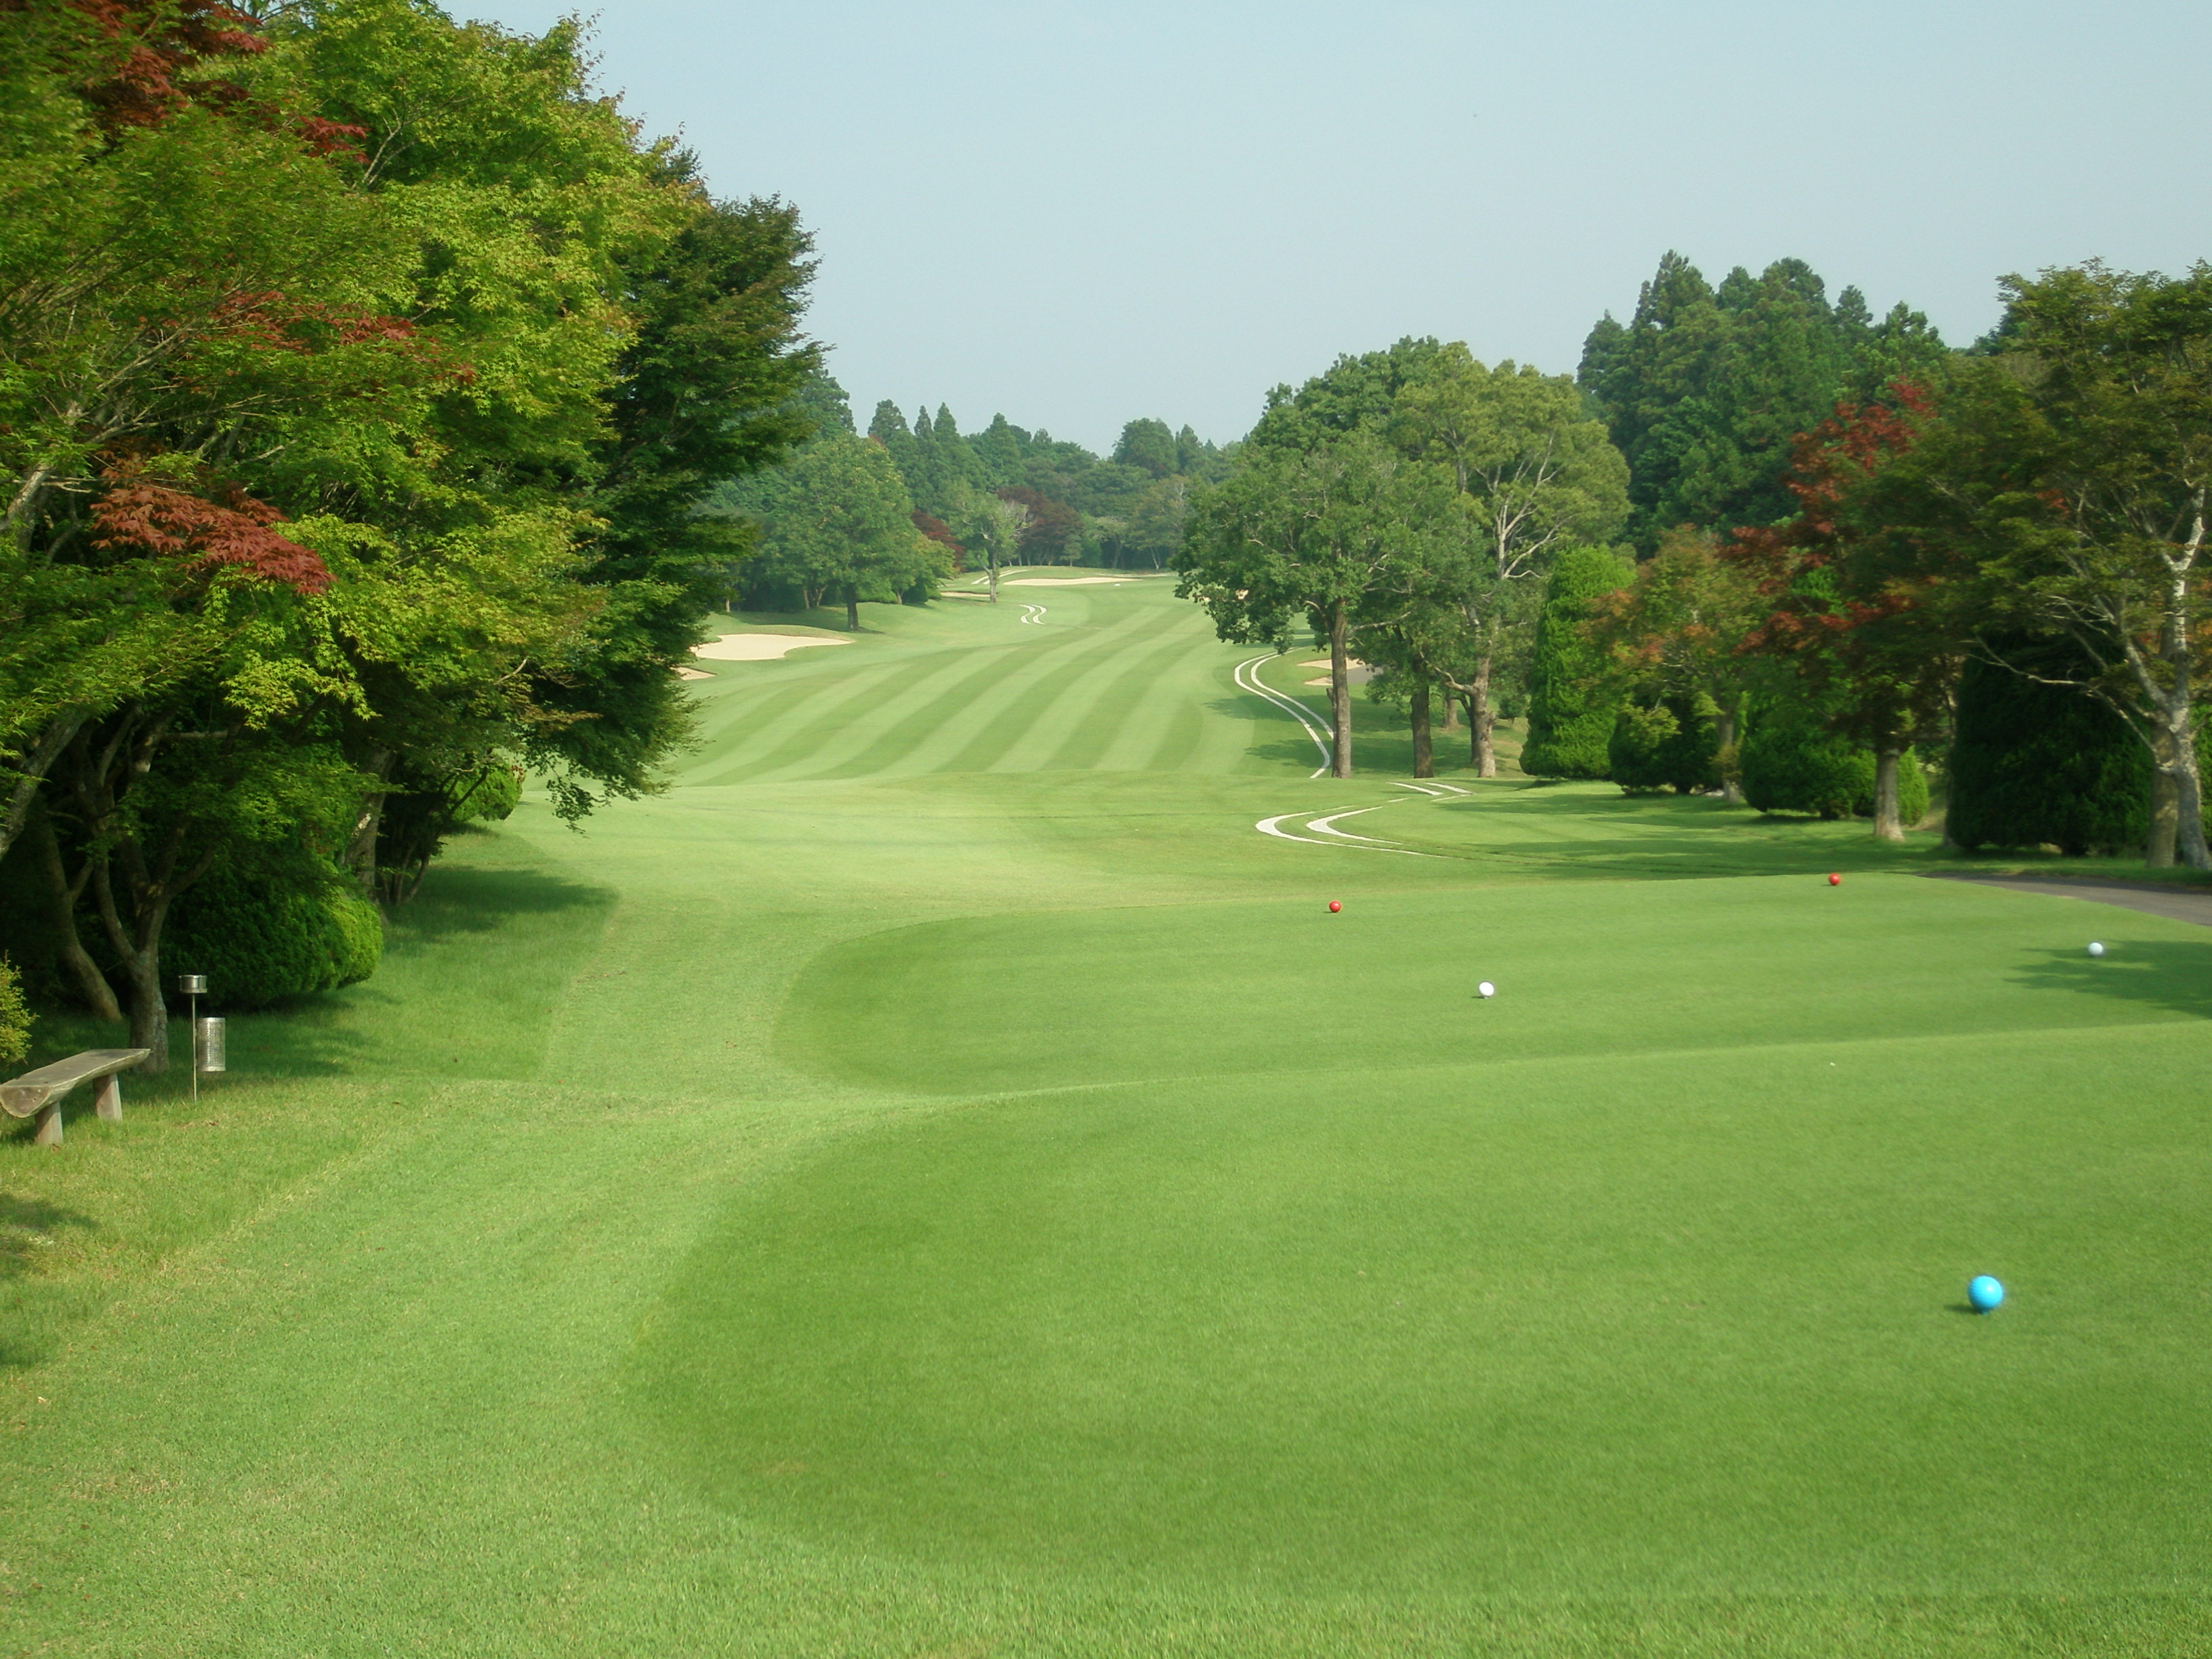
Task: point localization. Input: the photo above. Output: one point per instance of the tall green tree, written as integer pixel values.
(2062, 491)
(1536, 472)
(1148, 444)
(1574, 690)
(844, 525)
(1332, 535)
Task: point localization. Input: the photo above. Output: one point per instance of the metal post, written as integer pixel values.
(192, 984)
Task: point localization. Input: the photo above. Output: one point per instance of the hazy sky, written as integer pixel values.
(1081, 213)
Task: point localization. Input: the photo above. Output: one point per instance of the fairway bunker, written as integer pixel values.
(757, 647)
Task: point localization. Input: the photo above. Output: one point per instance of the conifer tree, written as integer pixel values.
(1573, 696)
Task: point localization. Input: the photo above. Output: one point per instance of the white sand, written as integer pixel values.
(757, 647)
(693, 674)
(1067, 581)
(1356, 673)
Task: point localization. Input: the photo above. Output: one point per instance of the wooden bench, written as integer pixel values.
(41, 1091)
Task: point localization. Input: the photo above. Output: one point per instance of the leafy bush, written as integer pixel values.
(14, 1016)
(1911, 791)
(2034, 763)
(1671, 743)
(1572, 703)
(1791, 762)
(427, 805)
(261, 941)
(492, 796)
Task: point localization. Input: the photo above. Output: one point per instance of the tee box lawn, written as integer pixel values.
(937, 1181)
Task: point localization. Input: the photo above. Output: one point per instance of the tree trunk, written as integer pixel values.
(140, 949)
(1451, 712)
(1424, 760)
(1886, 824)
(1731, 773)
(1480, 721)
(852, 607)
(2165, 803)
(2176, 799)
(2189, 814)
(359, 855)
(92, 984)
(993, 563)
(1340, 693)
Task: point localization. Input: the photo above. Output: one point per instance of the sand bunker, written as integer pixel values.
(693, 674)
(1355, 673)
(757, 647)
(1067, 581)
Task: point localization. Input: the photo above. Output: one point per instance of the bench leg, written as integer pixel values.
(49, 1125)
(110, 1102)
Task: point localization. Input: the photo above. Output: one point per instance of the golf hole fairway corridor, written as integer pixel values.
(937, 1182)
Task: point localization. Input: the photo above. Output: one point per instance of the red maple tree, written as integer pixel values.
(234, 532)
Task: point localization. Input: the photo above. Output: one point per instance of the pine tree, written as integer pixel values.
(958, 466)
(888, 428)
(1000, 448)
(1572, 696)
(1704, 390)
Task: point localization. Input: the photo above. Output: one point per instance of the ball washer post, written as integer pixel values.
(194, 986)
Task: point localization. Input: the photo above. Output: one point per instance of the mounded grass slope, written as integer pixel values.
(937, 1182)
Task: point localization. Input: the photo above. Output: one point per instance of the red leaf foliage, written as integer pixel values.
(149, 80)
(270, 318)
(940, 532)
(1826, 465)
(135, 513)
(146, 78)
(1051, 523)
(936, 529)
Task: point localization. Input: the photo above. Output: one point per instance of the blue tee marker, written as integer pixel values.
(1985, 1293)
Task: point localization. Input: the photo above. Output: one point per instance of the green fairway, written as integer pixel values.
(939, 1181)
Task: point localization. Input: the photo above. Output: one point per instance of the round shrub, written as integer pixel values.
(1791, 762)
(491, 797)
(1640, 733)
(1672, 743)
(260, 940)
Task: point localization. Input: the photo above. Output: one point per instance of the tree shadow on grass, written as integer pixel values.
(28, 1226)
(2175, 974)
(463, 901)
(471, 970)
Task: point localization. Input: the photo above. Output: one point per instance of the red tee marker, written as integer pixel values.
(1334, 907)
(1835, 880)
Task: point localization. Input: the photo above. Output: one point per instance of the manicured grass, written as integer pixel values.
(938, 1181)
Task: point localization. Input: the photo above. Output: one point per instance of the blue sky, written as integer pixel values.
(1081, 213)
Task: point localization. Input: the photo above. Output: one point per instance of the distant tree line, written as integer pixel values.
(1000, 497)
(1775, 548)
(364, 375)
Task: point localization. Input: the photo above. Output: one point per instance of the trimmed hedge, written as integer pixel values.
(1790, 762)
(1672, 743)
(1572, 706)
(260, 942)
(2035, 763)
